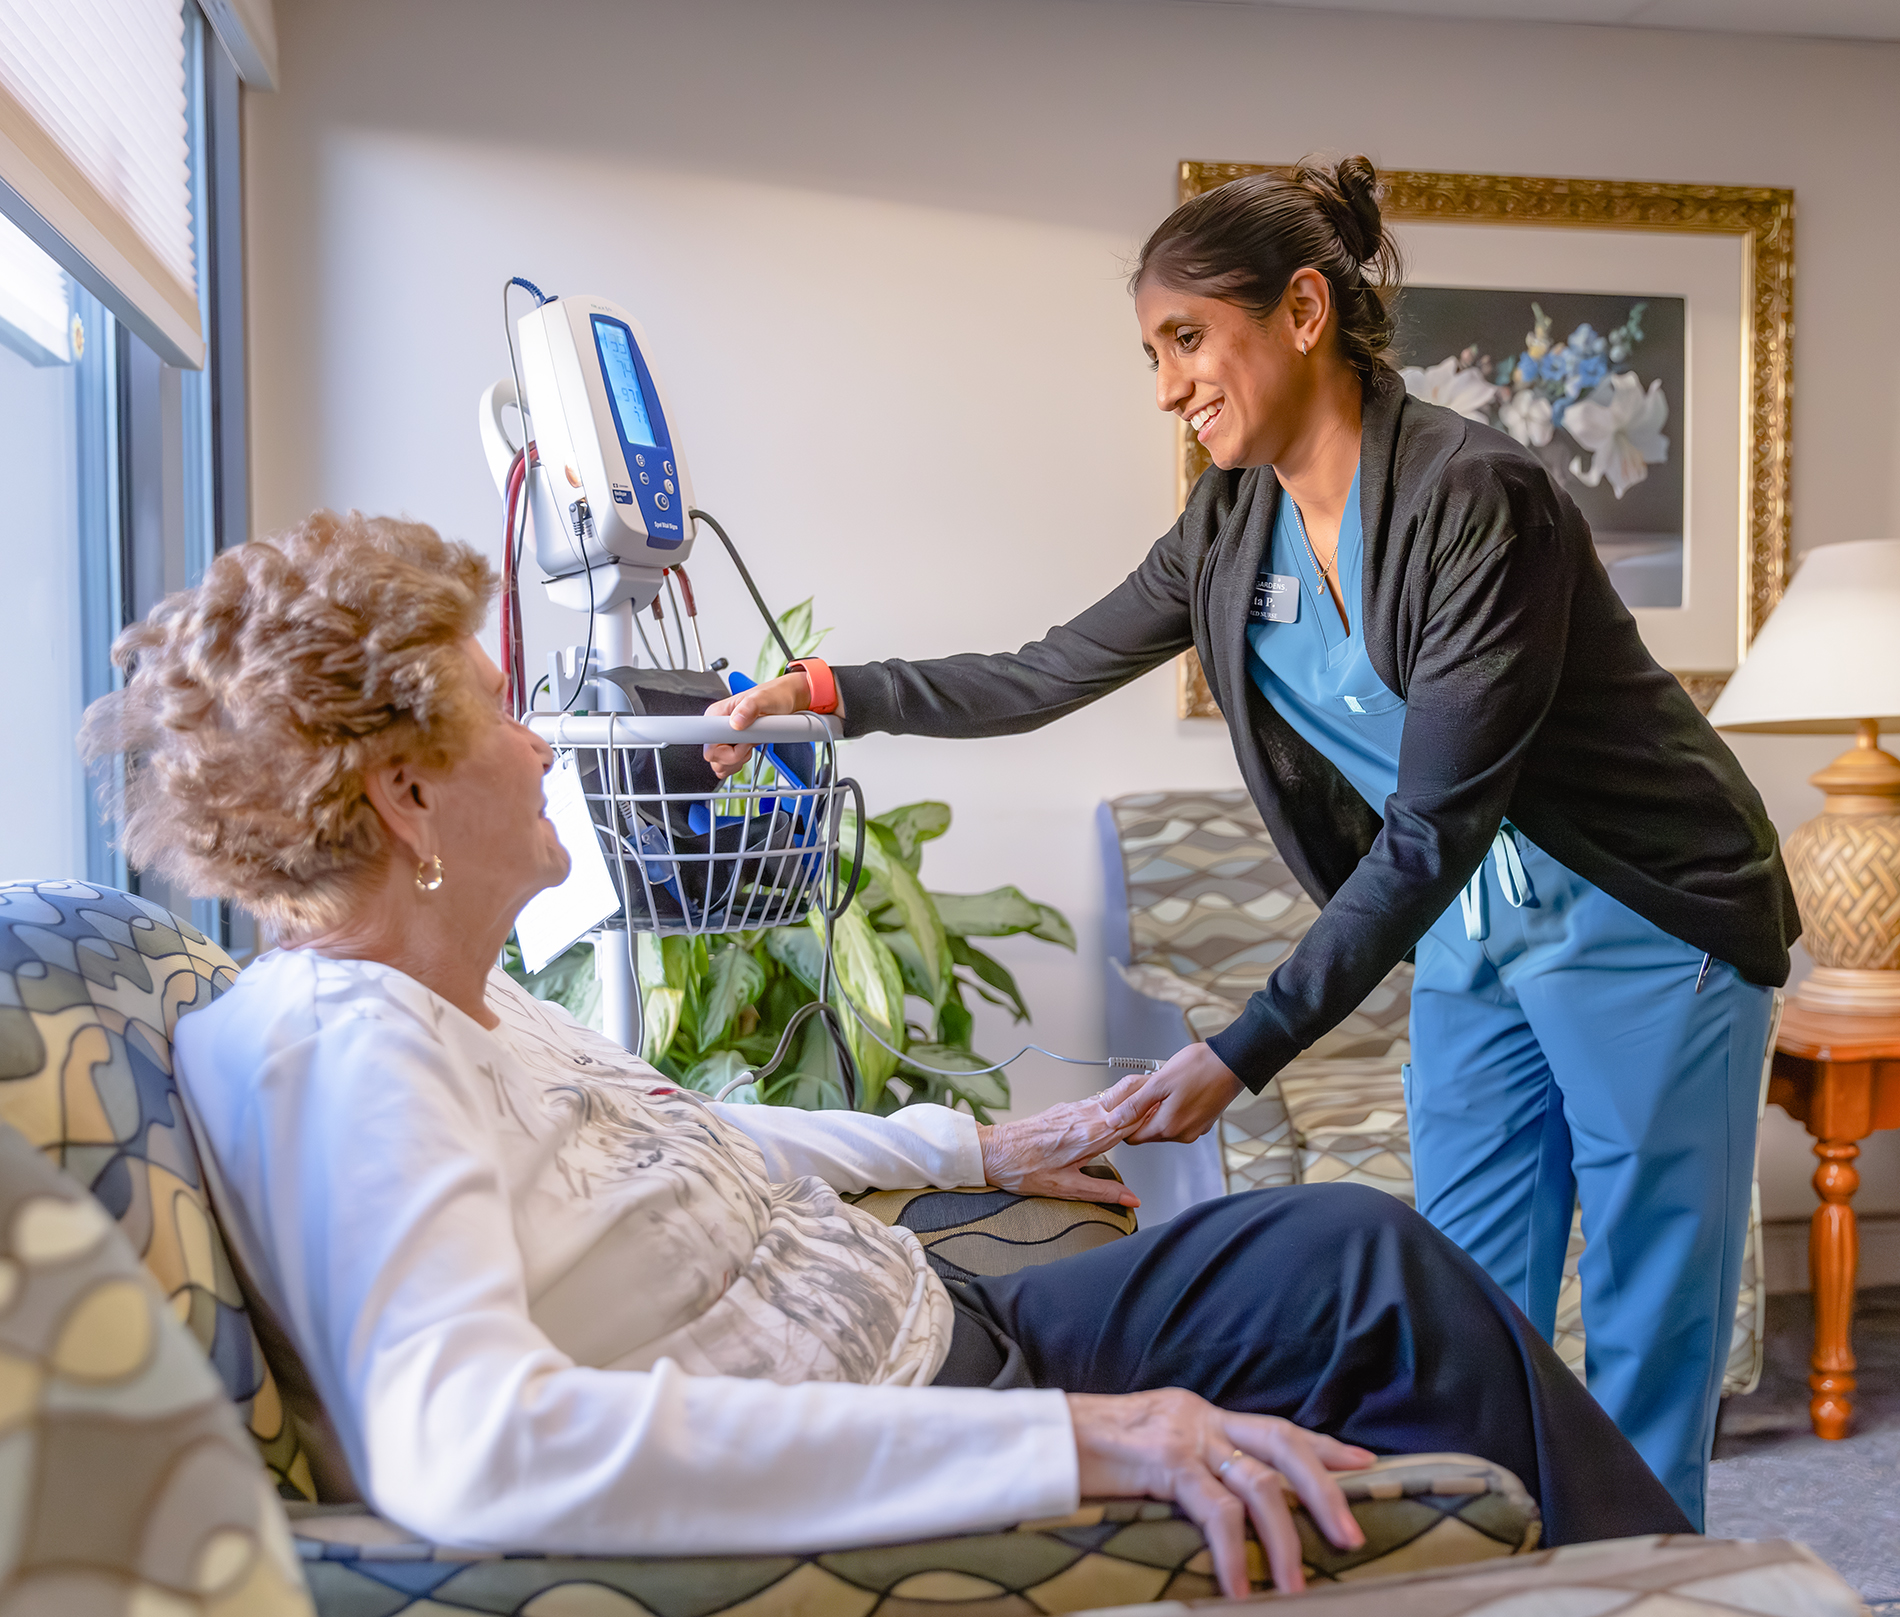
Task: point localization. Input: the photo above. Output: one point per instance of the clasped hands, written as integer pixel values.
(1043, 1155)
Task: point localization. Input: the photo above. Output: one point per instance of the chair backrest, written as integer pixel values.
(92, 983)
(1211, 900)
(129, 1483)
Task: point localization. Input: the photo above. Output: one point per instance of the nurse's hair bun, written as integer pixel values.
(1348, 194)
(1243, 241)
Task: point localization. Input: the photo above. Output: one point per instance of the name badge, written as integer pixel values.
(1276, 599)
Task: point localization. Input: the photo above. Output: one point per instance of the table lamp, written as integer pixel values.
(1827, 662)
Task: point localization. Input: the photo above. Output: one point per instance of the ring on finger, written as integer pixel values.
(1221, 1469)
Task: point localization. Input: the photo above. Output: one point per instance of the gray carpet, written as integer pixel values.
(1773, 1478)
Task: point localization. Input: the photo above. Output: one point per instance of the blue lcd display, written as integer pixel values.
(630, 404)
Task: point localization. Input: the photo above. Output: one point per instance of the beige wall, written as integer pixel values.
(879, 251)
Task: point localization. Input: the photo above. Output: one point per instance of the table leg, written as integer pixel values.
(1833, 1262)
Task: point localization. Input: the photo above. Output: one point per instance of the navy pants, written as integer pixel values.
(1338, 1308)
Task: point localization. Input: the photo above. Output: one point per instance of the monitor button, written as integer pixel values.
(661, 501)
(639, 460)
(644, 478)
(667, 467)
(669, 485)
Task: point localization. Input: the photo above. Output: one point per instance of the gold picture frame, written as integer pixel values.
(1761, 216)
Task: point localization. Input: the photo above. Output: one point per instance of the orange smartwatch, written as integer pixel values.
(824, 688)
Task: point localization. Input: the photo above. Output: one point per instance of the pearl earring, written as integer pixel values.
(429, 879)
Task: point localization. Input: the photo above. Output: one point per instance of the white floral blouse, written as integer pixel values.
(544, 1299)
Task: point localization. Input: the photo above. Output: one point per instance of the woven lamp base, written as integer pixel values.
(1854, 993)
(1845, 868)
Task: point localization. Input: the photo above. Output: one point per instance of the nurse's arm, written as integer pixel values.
(1141, 623)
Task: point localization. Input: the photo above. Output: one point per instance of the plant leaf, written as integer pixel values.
(661, 1021)
(1052, 926)
(801, 951)
(795, 624)
(910, 959)
(995, 914)
(979, 1088)
(992, 971)
(914, 911)
(810, 1078)
(648, 961)
(913, 825)
(734, 979)
(954, 1022)
(870, 974)
(871, 893)
(999, 912)
(715, 1071)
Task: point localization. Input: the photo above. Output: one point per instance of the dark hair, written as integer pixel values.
(1242, 241)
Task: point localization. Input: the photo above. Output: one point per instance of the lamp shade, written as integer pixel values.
(1829, 654)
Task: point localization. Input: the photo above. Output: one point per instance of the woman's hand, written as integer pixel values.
(1181, 1101)
(789, 693)
(1169, 1444)
(1043, 1155)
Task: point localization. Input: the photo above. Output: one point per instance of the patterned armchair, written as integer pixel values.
(1201, 909)
(92, 982)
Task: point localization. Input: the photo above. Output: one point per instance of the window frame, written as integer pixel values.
(162, 452)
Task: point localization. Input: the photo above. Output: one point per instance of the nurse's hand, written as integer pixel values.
(1221, 1468)
(789, 693)
(1183, 1099)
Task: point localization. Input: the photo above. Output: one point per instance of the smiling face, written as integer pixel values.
(1238, 379)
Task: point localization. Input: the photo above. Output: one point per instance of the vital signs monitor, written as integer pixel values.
(603, 431)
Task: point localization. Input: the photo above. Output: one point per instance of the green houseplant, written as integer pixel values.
(714, 1007)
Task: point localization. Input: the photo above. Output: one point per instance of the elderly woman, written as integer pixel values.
(526, 1293)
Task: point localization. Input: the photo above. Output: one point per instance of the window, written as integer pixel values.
(128, 475)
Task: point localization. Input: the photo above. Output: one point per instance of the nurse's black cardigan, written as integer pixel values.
(1529, 696)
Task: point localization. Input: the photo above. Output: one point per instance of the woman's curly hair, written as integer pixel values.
(255, 702)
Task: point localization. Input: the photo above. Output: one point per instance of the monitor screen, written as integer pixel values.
(623, 381)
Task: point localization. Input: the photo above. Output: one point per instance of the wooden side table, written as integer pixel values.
(1840, 1075)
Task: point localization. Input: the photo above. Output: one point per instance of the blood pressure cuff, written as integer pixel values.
(670, 693)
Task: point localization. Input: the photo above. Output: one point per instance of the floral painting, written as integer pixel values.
(1593, 385)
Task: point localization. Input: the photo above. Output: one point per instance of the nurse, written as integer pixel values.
(1460, 746)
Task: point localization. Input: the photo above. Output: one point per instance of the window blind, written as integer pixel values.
(94, 159)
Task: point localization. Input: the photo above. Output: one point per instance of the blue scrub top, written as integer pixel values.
(1315, 670)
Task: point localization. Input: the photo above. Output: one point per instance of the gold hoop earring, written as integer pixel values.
(424, 880)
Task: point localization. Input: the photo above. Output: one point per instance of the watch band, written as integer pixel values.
(824, 687)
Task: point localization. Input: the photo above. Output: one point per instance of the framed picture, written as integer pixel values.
(1635, 338)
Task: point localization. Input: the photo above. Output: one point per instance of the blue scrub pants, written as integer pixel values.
(1568, 1058)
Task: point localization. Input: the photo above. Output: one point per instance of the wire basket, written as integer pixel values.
(691, 855)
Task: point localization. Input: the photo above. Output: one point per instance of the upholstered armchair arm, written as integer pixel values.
(983, 1231)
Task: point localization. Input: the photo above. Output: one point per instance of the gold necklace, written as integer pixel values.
(1312, 549)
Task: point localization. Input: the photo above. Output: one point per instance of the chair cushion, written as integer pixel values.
(1348, 1122)
(1417, 1512)
(92, 983)
(1211, 900)
(126, 1480)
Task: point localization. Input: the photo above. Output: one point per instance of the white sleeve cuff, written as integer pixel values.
(853, 1151)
